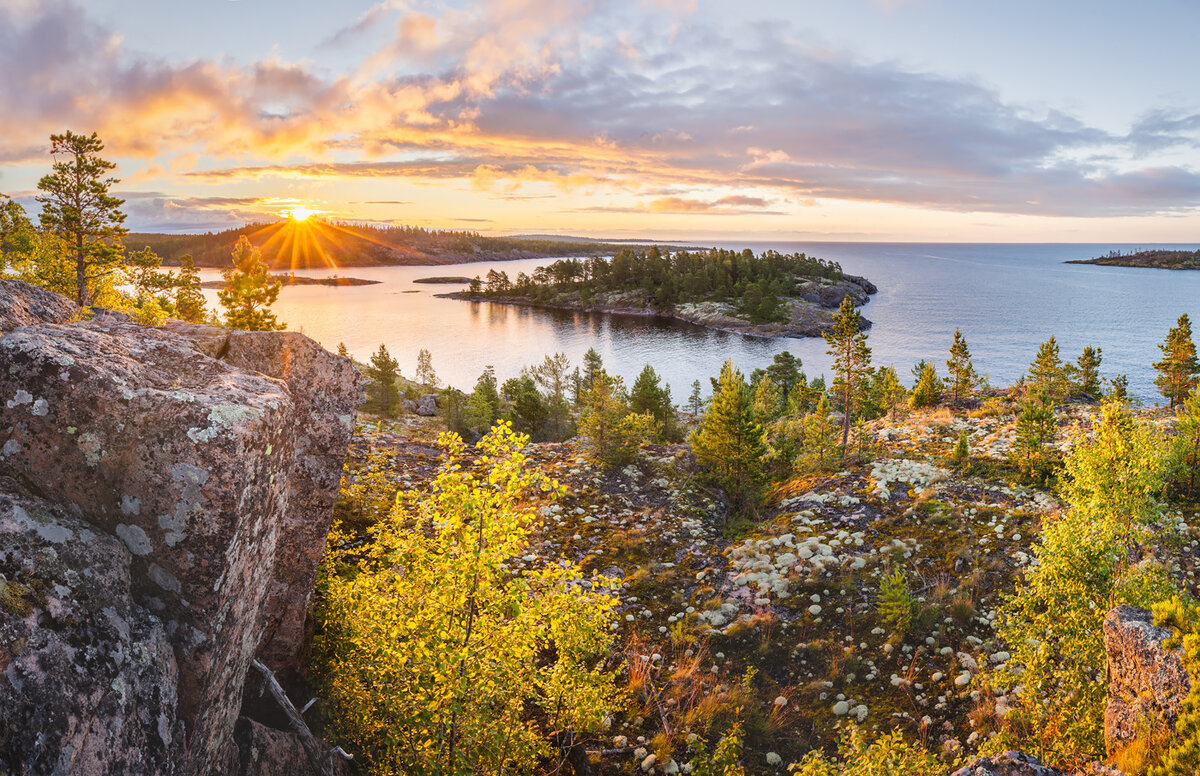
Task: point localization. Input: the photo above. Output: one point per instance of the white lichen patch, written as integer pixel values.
(22, 396)
(223, 416)
(135, 539)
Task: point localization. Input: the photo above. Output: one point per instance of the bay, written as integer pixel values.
(1006, 299)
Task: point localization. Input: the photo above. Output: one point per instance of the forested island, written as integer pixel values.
(290, 244)
(770, 295)
(1156, 259)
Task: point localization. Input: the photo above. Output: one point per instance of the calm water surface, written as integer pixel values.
(1006, 298)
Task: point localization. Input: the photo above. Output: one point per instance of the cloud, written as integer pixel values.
(526, 98)
(725, 206)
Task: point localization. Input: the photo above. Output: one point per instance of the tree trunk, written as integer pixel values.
(81, 294)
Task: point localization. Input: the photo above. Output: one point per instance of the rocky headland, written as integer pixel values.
(809, 309)
(165, 494)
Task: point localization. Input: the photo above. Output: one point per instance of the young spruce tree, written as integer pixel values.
(730, 445)
(383, 395)
(962, 377)
(1088, 371)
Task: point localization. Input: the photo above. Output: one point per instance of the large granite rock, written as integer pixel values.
(1021, 764)
(323, 420)
(213, 457)
(1008, 764)
(1146, 683)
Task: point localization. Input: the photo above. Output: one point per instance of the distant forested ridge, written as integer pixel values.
(772, 294)
(292, 245)
(1155, 259)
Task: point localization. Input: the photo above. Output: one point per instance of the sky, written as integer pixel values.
(919, 120)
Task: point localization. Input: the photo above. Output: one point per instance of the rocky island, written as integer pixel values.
(772, 295)
(1156, 259)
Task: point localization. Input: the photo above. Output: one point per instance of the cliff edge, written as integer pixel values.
(165, 494)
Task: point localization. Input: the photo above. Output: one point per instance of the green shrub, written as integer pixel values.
(897, 608)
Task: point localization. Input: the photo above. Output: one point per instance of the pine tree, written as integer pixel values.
(889, 389)
(77, 206)
(1046, 373)
(649, 396)
(189, 301)
(592, 366)
(614, 433)
(526, 410)
(767, 401)
(483, 408)
(142, 271)
(383, 394)
(1088, 369)
(1187, 438)
(1178, 369)
(928, 391)
(729, 444)
(961, 377)
(847, 342)
(818, 438)
(1035, 429)
(249, 292)
(343, 351)
(695, 400)
(425, 374)
(785, 372)
(554, 379)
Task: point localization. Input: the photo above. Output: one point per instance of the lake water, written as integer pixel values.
(1006, 298)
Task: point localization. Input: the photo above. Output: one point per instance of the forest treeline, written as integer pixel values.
(321, 243)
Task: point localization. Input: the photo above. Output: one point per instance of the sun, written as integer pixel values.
(300, 213)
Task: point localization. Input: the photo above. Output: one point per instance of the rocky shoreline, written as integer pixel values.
(810, 309)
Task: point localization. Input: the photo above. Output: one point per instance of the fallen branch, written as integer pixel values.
(322, 761)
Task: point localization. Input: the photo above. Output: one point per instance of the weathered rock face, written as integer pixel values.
(322, 422)
(88, 675)
(1146, 683)
(213, 458)
(25, 305)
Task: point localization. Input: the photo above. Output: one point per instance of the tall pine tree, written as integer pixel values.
(77, 206)
(847, 342)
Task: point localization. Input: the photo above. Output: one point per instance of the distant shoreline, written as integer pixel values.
(298, 280)
(1156, 259)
